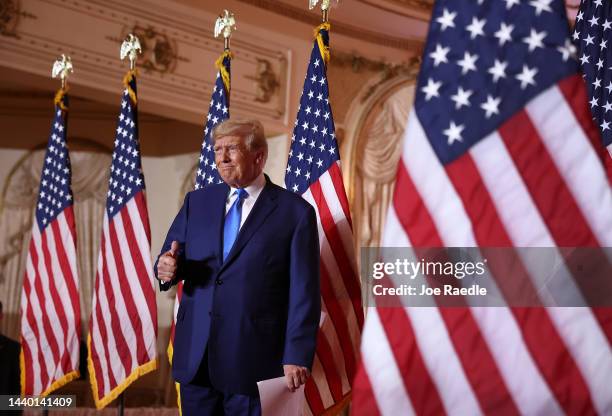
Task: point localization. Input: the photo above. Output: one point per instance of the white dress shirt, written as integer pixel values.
(254, 189)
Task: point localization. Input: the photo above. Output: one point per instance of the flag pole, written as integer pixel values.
(130, 48)
(121, 404)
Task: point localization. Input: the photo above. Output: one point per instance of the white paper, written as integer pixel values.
(275, 397)
(277, 400)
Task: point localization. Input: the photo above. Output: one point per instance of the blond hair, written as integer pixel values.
(251, 131)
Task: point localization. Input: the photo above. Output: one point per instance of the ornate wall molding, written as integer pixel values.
(10, 15)
(177, 68)
(371, 147)
(159, 51)
(267, 81)
(418, 9)
(388, 70)
(372, 93)
(303, 15)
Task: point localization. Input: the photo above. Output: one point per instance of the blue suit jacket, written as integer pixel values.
(260, 308)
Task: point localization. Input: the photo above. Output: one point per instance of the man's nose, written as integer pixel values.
(222, 154)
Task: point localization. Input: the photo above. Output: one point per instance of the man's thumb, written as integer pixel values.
(174, 248)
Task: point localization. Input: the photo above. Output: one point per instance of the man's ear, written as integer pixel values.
(260, 159)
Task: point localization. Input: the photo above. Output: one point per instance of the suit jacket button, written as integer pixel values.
(219, 281)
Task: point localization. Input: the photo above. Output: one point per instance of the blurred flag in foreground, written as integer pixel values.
(499, 151)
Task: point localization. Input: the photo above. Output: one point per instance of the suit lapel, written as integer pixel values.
(265, 204)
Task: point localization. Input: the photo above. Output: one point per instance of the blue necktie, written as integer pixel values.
(232, 222)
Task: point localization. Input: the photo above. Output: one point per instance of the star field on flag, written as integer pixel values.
(126, 177)
(493, 52)
(55, 193)
(218, 111)
(313, 144)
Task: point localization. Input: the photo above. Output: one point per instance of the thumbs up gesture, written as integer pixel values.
(167, 264)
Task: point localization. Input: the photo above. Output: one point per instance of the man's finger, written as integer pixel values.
(303, 375)
(296, 380)
(289, 379)
(174, 248)
(168, 261)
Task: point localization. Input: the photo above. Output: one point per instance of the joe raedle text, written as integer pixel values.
(426, 290)
(404, 277)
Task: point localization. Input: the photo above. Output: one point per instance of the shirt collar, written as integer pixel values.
(254, 189)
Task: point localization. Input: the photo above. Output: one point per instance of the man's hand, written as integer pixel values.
(295, 376)
(166, 266)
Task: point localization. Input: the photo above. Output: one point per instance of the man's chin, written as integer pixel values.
(227, 177)
(232, 182)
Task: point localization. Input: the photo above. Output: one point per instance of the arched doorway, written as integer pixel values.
(372, 147)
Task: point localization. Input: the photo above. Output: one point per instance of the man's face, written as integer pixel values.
(237, 166)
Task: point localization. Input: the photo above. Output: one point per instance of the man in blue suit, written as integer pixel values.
(248, 253)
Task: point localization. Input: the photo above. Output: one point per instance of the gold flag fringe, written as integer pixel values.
(59, 98)
(323, 49)
(223, 71)
(131, 74)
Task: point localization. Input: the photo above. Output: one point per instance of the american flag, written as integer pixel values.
(50, 310)
(591, 35)
(499, 151)
(123, 325)
(207, 173)
(313, 170)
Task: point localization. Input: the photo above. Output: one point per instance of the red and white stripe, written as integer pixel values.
(123, 324)
(338, 339)
(50, 310)
(538, 181)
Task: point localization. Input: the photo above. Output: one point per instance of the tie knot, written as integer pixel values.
(241, 193)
